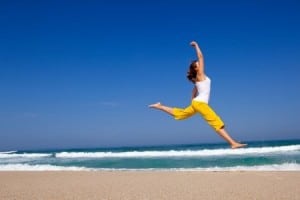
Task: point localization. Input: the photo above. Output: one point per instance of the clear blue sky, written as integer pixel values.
(81, 73)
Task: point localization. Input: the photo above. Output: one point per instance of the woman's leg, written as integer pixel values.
(223, 133)
(177, 113)
(216, 123)
(159, 106)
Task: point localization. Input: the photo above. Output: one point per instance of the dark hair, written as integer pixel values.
(192, 73)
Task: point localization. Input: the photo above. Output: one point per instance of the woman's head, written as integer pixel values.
(192, 73)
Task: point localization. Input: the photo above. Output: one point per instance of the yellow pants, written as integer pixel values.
(204, 110)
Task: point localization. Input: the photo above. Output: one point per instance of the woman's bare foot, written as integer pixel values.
(164, 108)
(238, 145)
(155, 105)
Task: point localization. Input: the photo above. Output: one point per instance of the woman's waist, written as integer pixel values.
(202, 98)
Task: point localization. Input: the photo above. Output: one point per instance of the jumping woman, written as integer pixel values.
(200, 98)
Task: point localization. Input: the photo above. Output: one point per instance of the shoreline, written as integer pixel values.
(149, 185)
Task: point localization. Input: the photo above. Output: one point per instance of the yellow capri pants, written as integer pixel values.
(204, 110)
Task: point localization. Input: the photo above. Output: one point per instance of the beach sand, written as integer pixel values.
(140, 185)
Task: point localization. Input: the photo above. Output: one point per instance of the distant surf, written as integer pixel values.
(24, 155)
(7, 152)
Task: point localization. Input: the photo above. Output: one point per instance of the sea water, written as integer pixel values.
(257, 156)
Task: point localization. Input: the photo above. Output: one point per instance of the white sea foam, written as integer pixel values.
(183, 153)
(274, 167)
(26, 167)
(24, 155)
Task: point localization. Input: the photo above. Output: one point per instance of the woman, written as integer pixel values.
(200, 98)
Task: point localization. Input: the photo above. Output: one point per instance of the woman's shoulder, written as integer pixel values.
(202, 77)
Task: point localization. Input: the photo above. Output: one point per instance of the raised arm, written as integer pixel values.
(199, 56)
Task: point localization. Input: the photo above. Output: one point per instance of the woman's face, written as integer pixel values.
(196, 66)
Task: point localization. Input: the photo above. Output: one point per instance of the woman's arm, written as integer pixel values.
(199, 56)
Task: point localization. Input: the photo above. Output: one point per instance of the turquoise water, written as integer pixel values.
(262, 155)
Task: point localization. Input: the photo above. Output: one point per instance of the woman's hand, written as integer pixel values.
(200, 56)
(194, 44)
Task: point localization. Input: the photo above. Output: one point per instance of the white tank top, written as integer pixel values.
(203, 88)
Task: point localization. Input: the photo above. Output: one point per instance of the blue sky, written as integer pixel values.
(81, 74)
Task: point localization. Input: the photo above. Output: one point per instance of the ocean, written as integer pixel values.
(258, 156)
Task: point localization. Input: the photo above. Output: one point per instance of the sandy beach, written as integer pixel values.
(149, 185)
